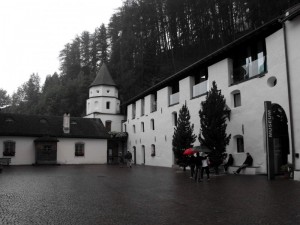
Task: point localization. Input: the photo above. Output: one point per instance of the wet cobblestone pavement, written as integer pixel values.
(106, 195)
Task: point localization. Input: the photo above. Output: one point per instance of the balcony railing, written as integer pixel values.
(174, 98)
(249, 70)
(200, 89)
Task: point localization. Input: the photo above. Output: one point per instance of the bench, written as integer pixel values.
(251, 170)
(5, 161)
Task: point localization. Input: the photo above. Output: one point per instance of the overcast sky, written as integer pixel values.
(33, 32)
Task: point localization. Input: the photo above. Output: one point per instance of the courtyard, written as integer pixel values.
(107, 195)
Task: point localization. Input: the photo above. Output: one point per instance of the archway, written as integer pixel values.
(280, 137)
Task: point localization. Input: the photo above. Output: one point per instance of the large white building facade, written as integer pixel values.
(260, 67)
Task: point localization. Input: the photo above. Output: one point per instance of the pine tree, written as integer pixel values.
(183, 136)
(213, 117)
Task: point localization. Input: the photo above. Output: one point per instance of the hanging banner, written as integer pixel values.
(269, 140)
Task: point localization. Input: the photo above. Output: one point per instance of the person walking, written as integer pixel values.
(128, 157)
(248, 162)
(205, 166)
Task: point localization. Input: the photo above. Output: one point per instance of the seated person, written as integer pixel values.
(228, 163)
(248, 162)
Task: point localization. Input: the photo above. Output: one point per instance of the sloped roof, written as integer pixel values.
(103, 77)
(51, 126)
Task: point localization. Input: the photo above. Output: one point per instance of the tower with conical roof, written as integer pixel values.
(103, 100)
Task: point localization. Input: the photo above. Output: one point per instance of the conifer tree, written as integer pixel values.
(213, 117)
(183, 136)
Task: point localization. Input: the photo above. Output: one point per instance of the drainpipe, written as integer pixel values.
(289, 92)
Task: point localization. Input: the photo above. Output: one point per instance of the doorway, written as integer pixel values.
(280, 137)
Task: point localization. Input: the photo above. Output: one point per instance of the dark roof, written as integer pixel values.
(50, 126)
(103, 77)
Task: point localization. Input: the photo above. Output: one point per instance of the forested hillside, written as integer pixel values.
(145, 42)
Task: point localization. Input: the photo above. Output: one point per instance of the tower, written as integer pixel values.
(103, 101)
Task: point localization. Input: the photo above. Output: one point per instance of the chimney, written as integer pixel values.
(66, 123)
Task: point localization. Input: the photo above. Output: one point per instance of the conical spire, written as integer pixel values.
(103, 77)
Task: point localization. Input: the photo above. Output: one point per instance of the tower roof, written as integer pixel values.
(103, 77)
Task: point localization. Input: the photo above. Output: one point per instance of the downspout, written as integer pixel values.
(289, 92)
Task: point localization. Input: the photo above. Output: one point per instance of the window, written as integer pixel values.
(47, 149)
(133, 111)
(9, 148)
(240, 144)
(79, 149)
(153, 102)
(249, 61)
(174, 97)
(142, 127)
(133, 127)
(200, 86)
(152, 124)
(237, 99)
(153, 150)
(107, 105)
(108, 125)
(174, 115)
(142, 107)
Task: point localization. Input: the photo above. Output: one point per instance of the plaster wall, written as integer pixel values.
(116, 120)
(24, 150)
(293, 39)
(95, 151)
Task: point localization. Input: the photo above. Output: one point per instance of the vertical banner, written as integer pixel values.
(269, 140)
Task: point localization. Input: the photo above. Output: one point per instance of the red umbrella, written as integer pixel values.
(189, 151)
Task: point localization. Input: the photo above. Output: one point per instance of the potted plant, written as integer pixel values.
(287, 170)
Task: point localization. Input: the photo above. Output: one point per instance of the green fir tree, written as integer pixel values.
(213, 117)
(183, 136)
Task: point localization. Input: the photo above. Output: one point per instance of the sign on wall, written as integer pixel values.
(269, 140)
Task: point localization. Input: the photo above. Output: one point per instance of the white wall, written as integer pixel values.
(246, 120)
(95, 151)
(293, 43)
(24, 150)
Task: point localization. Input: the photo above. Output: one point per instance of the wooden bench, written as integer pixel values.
(251, 170)
(5, 161)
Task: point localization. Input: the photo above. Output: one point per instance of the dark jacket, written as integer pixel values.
(249, 160)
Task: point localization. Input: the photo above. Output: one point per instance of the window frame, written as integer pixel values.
(9, 148)
(79, 149)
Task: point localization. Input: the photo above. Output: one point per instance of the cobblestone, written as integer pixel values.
(110, 195)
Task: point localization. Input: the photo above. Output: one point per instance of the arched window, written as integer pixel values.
(152, 124)
(152, 150)
(142, 127)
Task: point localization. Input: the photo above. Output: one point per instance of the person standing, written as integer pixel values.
(205, 166)
(198, 163)
(248, 162)
(128, 158)
(192, 165)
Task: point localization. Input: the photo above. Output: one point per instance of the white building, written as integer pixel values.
(261, 66)
(30, 139)
(104, 103)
